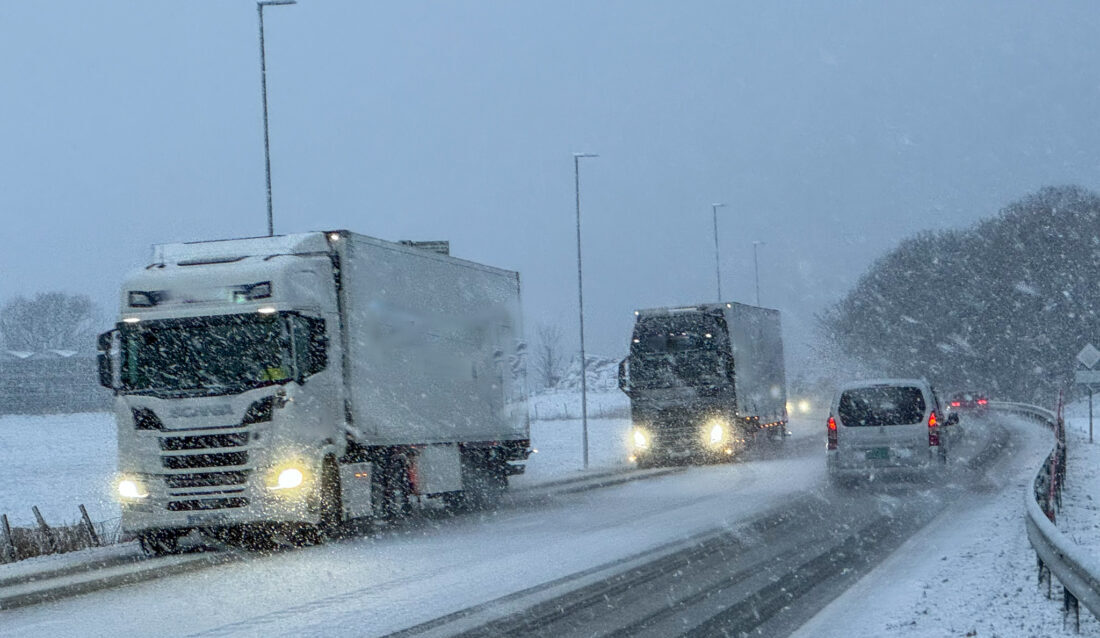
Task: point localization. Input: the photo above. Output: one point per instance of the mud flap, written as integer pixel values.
(355, 485)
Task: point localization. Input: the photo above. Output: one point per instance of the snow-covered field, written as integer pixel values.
(57, 462)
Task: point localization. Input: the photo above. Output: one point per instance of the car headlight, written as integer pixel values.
(641, 439)
(129, 488)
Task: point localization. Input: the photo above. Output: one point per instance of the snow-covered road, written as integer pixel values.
(970, 570)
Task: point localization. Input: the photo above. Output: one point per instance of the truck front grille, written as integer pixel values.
(192, 461)
(206, 504)
(177, 443)
(206, 479)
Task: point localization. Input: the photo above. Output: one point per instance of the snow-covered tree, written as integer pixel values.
(49, 321)
(1003, 306)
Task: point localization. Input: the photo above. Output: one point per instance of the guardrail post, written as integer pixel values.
(1044, 574)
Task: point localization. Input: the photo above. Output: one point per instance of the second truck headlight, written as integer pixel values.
(716, 432)
(641, 439)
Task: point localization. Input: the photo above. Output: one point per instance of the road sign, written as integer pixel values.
(1086, 377)
(1088, 356)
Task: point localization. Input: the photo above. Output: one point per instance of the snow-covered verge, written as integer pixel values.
(972, 572)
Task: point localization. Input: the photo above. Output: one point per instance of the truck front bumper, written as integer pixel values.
(254, 504)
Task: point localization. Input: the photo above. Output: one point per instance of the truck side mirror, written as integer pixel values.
(103, 359)
(624, 374)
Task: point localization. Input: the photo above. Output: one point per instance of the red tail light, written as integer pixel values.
(983, 401)
(933, 430)
(831, 442)
(956, 404)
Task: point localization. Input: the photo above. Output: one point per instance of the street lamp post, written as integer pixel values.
(756, 269)
(717, 262)
(263, 84)
(580, 304)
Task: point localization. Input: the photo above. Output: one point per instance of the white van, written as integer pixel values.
(884, 426)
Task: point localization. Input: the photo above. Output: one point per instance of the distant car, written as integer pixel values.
(968, 401)
(884, 426)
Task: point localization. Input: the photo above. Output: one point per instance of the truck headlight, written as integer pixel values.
(129, 488)
(286, 477)
(641, 439)
(716, 432)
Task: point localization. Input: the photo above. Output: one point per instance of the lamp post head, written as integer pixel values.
(717, 205)
(275, 3)
(580, 155)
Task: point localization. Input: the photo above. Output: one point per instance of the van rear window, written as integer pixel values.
(881, 405)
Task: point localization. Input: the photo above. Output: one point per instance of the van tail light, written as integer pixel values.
(983, 401)
(831, 442)
(933, 430)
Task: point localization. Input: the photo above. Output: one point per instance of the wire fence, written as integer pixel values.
(21, 543)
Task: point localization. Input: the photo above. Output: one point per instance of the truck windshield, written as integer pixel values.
(681, 350)
(205, 355)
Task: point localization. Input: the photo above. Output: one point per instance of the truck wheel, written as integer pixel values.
(160, 542)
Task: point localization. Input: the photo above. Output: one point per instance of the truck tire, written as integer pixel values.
(160, 542)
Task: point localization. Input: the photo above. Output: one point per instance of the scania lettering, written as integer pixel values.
(276, 388)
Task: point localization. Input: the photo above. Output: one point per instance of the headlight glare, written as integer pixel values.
(288, 478)
(641, 441)
(131, 489)
(715, 432)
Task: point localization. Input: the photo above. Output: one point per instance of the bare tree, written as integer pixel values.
(548, 359)
(49, 321)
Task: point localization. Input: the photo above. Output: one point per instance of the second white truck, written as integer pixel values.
(704, 381)
(278, 387)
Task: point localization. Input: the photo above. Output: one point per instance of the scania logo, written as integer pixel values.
(188, 412)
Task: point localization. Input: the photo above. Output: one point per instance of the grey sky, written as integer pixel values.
(831, 130)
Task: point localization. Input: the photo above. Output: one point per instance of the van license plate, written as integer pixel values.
(878, 453)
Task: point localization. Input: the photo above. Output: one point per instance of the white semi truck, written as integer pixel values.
(275, 388)
(704, 381)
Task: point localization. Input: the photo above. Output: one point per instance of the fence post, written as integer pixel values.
(7, 552)
(46, 546)
(88, 526)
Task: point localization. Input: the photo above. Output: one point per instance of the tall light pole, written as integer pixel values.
(717, 262)
(580, 303)
(263, 84)
(756, 269)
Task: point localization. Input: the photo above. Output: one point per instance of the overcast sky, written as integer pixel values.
(831, 129)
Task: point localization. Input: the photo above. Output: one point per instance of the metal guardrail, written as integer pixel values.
(1077, 570)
